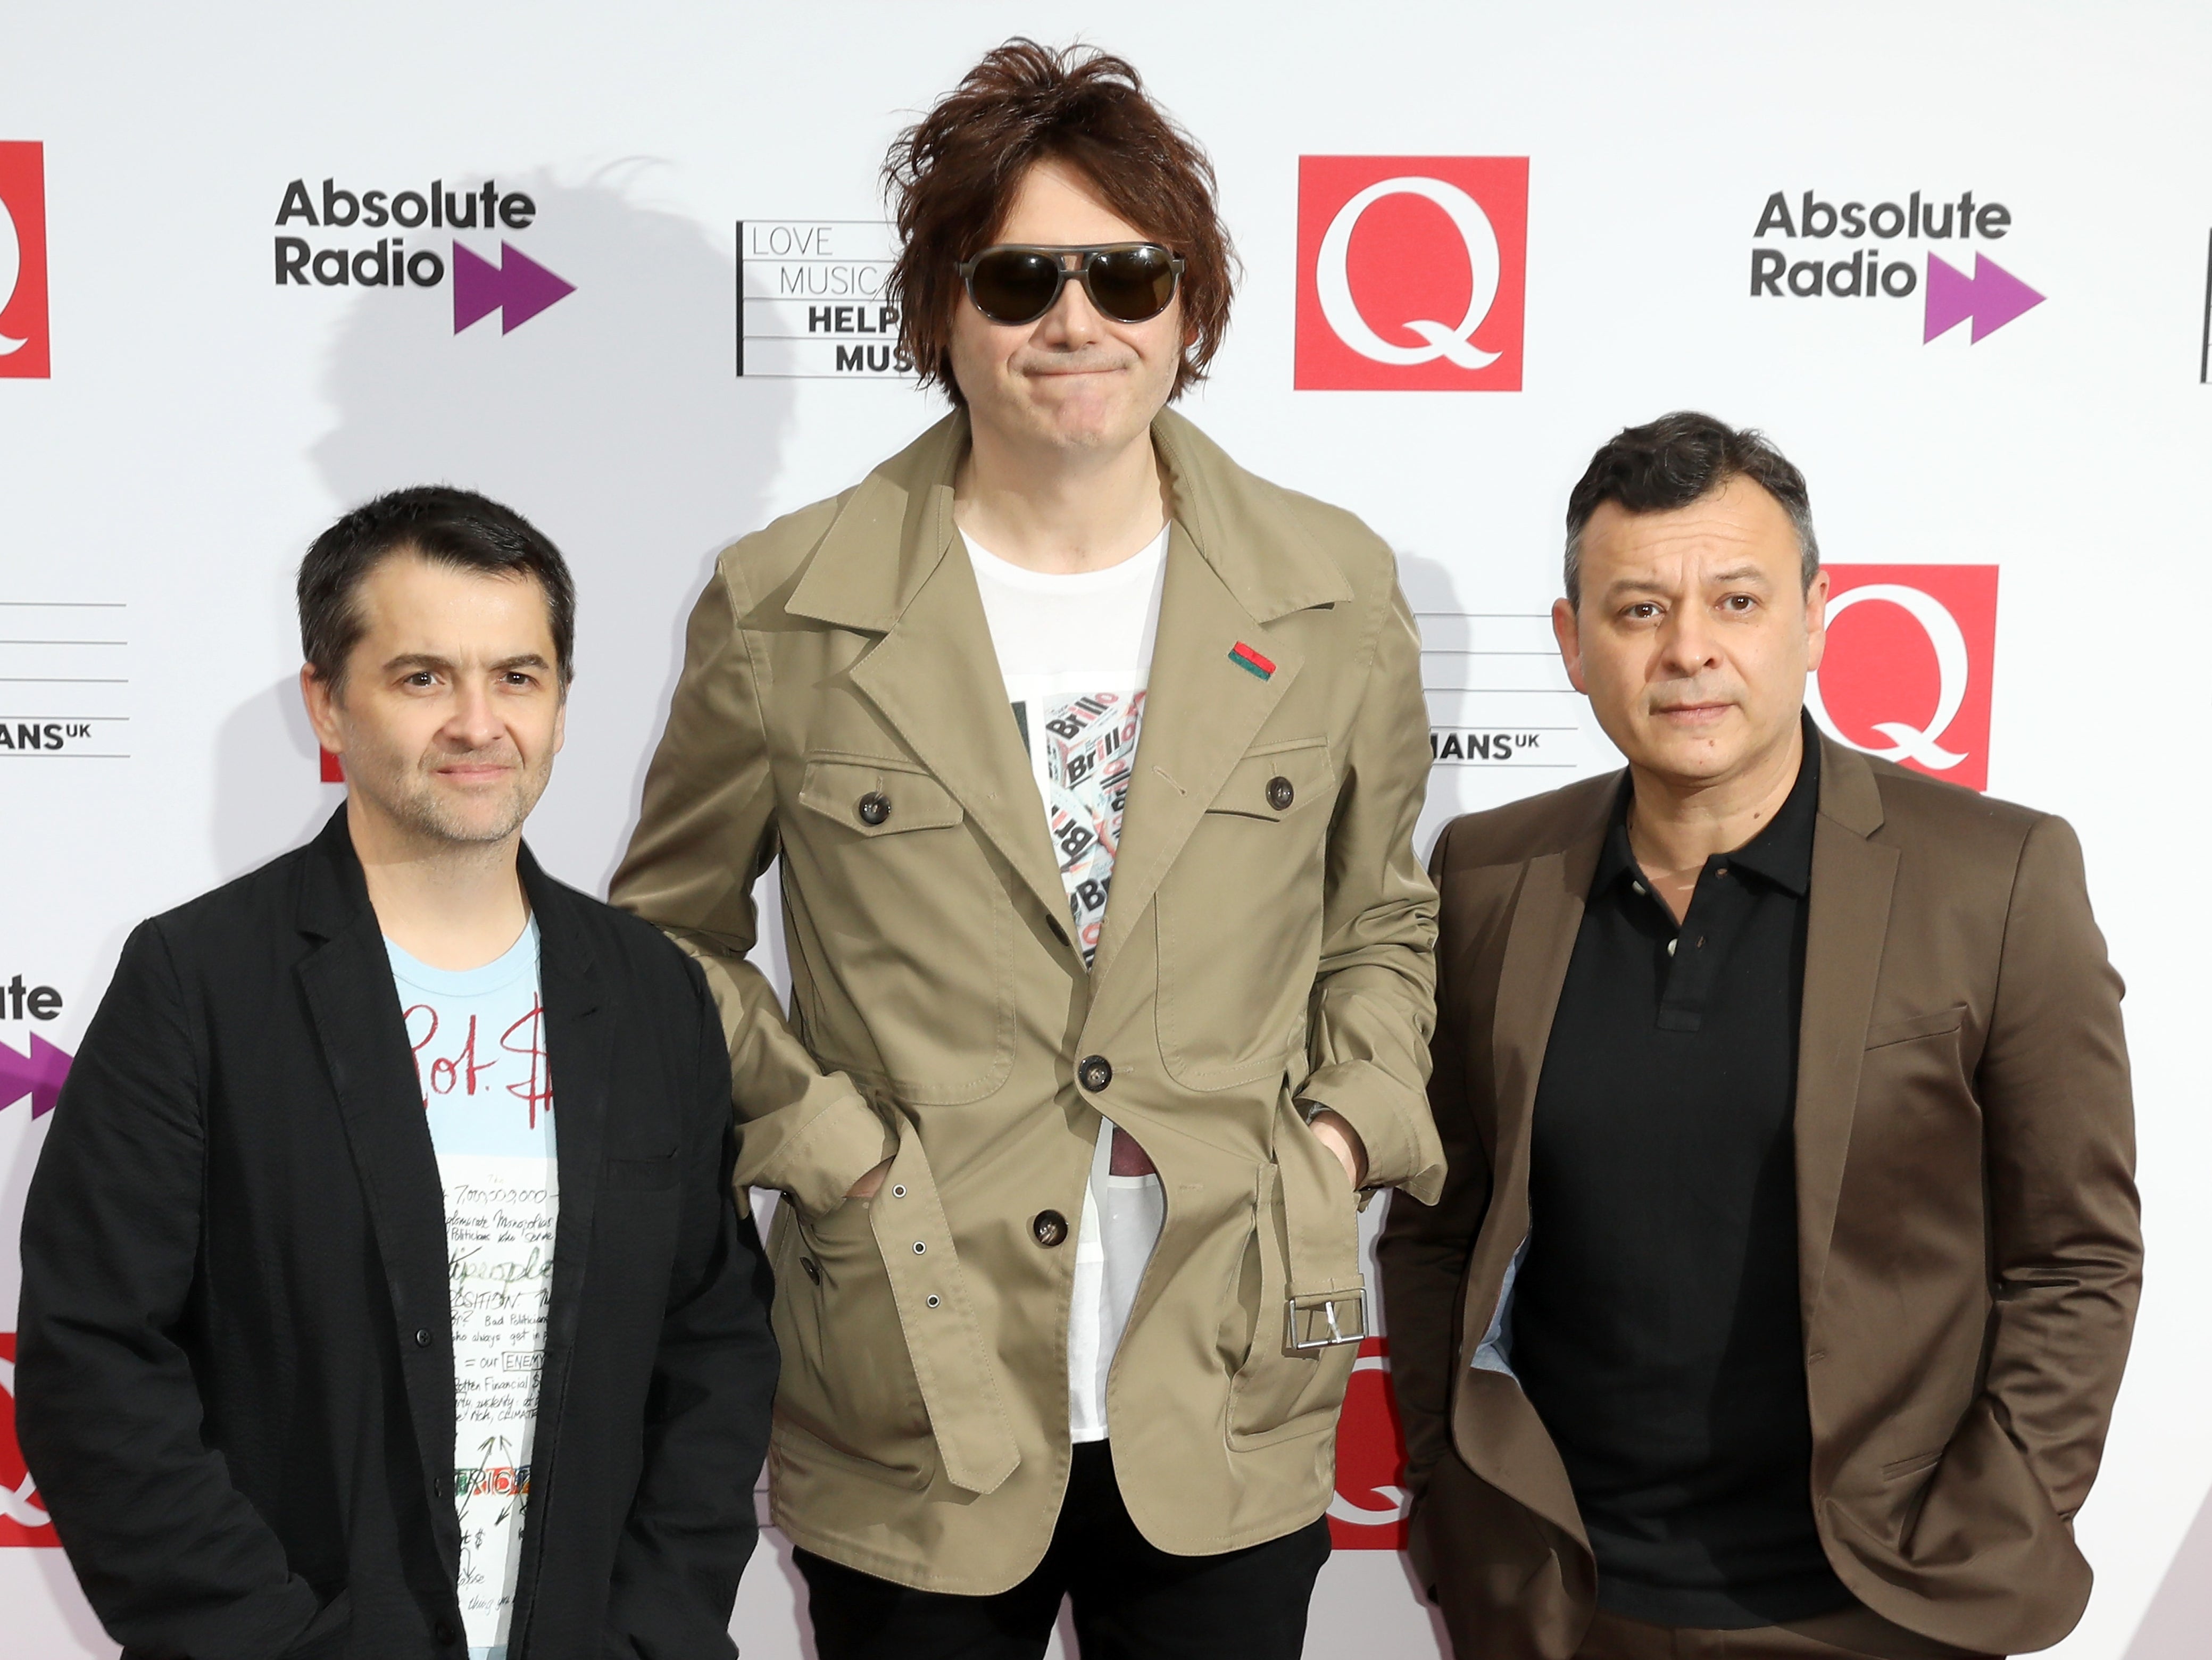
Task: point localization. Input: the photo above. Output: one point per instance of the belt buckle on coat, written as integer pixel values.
(1319, 1309)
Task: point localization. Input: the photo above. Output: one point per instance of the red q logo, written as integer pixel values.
(1411, 272)
(22, 1522)
(1911, 650)
(1368, 1509)
(23, 354)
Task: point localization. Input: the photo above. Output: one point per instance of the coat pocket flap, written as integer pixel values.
(1278, 781)
(1919, 1026)
(876, 797)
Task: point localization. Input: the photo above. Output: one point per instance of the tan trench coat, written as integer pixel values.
(1261, 946)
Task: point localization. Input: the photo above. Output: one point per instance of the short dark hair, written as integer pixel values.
(951, 177)
(1677, 459)
(444, 525)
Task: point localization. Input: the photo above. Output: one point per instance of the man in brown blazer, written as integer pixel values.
(1780, 1287)
(1067, 1278)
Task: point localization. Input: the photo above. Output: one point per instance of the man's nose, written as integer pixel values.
(1073, 320)
(1686, 643)
(476, 719)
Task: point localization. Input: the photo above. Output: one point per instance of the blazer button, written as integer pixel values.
(1280, 795)
(875, 807)
(813, 1269)
(443, 1631)
(422, 1338)
(1048, 1228)
(1094, 1073)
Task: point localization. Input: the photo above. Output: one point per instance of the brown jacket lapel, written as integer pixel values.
(1846, 924)
(1496, 1430)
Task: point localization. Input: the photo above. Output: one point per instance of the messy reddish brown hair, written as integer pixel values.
(951, 177)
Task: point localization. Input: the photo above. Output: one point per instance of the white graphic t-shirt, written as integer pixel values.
(1076, 653)
(480, 1060)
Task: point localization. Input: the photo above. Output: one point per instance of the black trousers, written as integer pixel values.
(1132, 1600)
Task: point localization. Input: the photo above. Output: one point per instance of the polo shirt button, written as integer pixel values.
(422, 1338)
(1048, 1228)
(874, 807)
(1281, 794)
(1095, 1073)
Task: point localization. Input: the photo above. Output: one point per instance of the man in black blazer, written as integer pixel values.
(306, 1367)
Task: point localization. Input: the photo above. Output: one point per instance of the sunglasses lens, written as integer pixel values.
(1133, 285)
(1013, 285)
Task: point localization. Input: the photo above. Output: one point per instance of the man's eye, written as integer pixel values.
(1643, 611)
(1739, 602)
(421, 677)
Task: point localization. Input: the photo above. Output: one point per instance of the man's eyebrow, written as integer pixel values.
(527, 660)
(1740, 573)
(411, 661)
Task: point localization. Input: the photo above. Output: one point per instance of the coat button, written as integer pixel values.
(1094, 1075)
(422, 1338)
(443, 1631)
(1048, 1228)
(875, 807)
(813, 1269)
(1280, 795)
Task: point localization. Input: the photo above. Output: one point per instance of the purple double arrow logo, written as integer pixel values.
(1992, 296)
(38, 1075)
(518, 288)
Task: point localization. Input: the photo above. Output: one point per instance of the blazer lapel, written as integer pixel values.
(574, 1032)
(1847, 922)
(358, 1023)
(1504, 1441)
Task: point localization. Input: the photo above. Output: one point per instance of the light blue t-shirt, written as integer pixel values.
(479, 1047)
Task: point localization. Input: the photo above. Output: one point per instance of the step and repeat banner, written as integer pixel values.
(626, 271)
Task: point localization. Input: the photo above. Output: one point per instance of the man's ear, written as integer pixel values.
(321, 699)
(1816, 622)
(1567, 628)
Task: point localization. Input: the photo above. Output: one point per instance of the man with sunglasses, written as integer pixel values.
(1069, 1283)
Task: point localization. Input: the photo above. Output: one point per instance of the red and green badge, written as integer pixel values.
(1251, 661)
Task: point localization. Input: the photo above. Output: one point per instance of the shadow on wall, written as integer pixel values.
(2181, 1614)
(614, 421)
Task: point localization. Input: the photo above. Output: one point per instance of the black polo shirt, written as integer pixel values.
(1654, 1321)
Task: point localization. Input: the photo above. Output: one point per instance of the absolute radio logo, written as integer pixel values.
(1411, 273)
(1877, 269)
(515, 286)
(24, 354)
(1910, 657)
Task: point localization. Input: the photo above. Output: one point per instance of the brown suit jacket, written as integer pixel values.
(1969, 1253)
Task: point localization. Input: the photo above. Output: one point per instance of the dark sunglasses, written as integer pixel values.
(1018, 283)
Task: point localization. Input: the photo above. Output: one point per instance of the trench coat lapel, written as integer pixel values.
(1237, 562)
(889, 566)
(1201, 711)
(1847, 923)
(355, 1009)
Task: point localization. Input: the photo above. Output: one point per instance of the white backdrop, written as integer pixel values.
(201, 422)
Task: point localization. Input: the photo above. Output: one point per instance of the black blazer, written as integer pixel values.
(234, 1384)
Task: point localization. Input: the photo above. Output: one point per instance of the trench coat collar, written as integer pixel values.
(354, 1005)
(892, 531)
